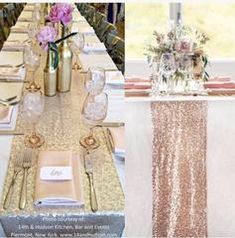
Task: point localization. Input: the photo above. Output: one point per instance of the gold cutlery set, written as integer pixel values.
(88, 163)
(20, 164)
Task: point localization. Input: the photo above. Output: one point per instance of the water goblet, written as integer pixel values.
(32, 109)
(32, 63)
(167, 69)
(154, 78)
(95, 80)
(94, 111)
(77, 44)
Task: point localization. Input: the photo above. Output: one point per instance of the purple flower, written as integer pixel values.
(61, 12)
(45, 35)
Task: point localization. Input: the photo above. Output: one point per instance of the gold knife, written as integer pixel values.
(110, 139)
(89, 171)
(112, 124)
(13, 81)
(11, 133)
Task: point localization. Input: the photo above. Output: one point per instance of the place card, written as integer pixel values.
(56, 173)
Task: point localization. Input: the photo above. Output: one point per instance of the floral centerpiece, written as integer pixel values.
(61, 13)
(181, 40)
(55, 60)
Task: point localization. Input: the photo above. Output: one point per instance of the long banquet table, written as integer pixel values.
(179, 140)
(62, 127)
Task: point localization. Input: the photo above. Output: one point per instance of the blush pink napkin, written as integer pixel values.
(12, 73)
(118, 135)
(5, 114)
(220, 86)
(13, 46)
(70, 190)
(137, 87)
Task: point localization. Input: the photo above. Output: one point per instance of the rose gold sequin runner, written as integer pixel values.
(179, 169)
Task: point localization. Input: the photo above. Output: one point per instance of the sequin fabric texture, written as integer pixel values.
(179, 168)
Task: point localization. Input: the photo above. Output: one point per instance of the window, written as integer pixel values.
(141, 20)
(216, 19)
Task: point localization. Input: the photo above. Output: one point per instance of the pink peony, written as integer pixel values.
(46, 34)
(61, 12)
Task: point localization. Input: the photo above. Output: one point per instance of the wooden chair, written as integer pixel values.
(90, 15)
(8, 16)
(104, 29)
(4, 29)
(99, 18)
(116, 49)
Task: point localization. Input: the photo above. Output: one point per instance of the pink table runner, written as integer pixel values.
(179, 169)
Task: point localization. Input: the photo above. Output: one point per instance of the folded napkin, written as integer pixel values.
(25, 16)
(13, 46)
(25, 19)
(8, 117)
(220, 79)
(5, 114)
(11, 58)
(57, 188)
(20, 37)
(137, 87)
(224, 85)
(19, 30)
(114, 80)
(12, 73)
(100, 60)
(219, 92)
(118, 140)
(86, 30)
(94, 47)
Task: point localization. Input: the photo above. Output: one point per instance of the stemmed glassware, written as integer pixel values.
(94, 111)
(77, 44)
(31, 62)
(37, 14)
(95, 81)
(154, 65)
(32, 109)
(32, 32)
(167, 69)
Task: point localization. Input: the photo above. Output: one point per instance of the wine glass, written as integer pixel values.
(95, 80)
(32, 32)
(32, 109)
(77, 44)
(154, 65)
(94, 111)
(167, 69)
(37, 14)
(32, 63)
(186, 68)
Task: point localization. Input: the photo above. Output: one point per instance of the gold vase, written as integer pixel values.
(64, 71)
(50, 76)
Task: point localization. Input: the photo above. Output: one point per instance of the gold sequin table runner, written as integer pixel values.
(179, 169)
(62, 128)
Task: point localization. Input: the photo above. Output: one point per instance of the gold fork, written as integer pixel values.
(17, 169)
(26, 166)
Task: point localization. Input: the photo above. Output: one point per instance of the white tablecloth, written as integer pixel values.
(220, 167)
